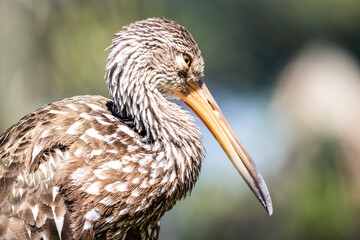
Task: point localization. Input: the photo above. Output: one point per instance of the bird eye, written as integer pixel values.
(187, 59)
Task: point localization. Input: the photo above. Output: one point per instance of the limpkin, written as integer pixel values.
(88, 167)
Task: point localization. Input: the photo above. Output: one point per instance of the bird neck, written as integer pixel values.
(166, 128)
(169, 130)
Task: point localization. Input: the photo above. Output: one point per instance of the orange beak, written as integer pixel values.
(200, 101)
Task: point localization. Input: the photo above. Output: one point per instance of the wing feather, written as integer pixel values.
(32, 152)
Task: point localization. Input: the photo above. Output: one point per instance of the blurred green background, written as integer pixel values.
(284, 72)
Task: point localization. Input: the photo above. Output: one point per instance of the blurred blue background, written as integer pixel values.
(285, 73)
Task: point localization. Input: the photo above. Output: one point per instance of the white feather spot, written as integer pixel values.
(94, 188)
(35, 211)
(95, 107)
(152, 181)
(36, 151)
(102, 121)
(45, 134)
(93, 133)
(80, 175)
(84, 137)
(126, 130)
(42, 167)
(58, 112)
(118, 233)
(121, 187)
(110, 219)
(154, 164)
(133, 158)
(52, 160)
(101, 174)
(78, 152)
(116, 186)
(59, 152)
(128, 169)
(135, 180)
(172, 177)
(106, 201)
(124, 211)
(71, 106)
(165, 179)
(44, 237)
(169, 165)
(112, 164)
(21, 192)
(55, 192)
(28, 231)
(112, 151)
(85, 116)
(88, 224)
(173, 188)
(132, 148)
(146, 159)
(142, 170)
(59, 222)
(93, 214)
(111, 138)
(95, 152)
(154, 174)
(143, 184)
(21, 178)
(72, 129)
(111, 117)
(135, 193)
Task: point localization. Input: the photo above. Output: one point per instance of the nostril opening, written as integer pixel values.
(212, 106)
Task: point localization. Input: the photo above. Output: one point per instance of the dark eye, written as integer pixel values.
(187, 59)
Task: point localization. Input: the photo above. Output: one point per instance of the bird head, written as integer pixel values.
(159, 56)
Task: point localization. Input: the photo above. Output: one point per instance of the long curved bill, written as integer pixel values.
(199, 100)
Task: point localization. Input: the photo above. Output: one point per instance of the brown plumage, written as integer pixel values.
(89, 167)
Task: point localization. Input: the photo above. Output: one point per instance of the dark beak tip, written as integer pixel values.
(267, 204)
(263, 195)
(269, 209)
